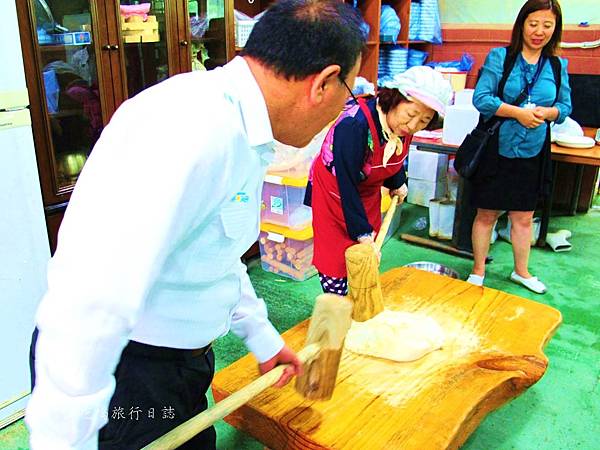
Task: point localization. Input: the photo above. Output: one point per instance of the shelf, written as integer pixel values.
(141, 42)
(60, 47)
(208, 39)
(66, 113)
(65, 39)
(403, 41)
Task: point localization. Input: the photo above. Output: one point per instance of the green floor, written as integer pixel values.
(561, 411)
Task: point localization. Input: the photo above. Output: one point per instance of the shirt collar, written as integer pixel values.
(245, 89)
(266, 152)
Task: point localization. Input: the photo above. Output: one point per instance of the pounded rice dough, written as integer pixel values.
(395, 335)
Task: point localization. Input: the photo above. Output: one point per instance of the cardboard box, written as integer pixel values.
(427, 166)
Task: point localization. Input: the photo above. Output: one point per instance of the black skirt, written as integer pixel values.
(514, 186)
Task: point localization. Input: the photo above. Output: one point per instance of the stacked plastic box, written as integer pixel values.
(283, 202)
(286, 244)
(426, 176)
(287, 252)
(286, 239)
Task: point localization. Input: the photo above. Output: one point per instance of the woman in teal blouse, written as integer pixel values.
(517, 181)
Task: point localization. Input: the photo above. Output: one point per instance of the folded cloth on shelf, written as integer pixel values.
(389, 24)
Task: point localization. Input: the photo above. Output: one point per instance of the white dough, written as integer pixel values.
(395, 335)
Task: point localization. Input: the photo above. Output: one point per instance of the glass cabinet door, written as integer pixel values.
(65, 35)
(144, 31)
(207, 33)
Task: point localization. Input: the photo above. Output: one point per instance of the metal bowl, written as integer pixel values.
(434, 268)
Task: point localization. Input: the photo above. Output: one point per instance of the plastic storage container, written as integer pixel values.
(441, 218)
(464, 97)
(287, 252)
(459, 121)
(283, 202)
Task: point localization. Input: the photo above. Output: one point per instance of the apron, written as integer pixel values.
(330, 234)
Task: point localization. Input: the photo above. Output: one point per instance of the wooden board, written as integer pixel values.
(493, 352)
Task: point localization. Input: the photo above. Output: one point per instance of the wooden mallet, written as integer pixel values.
(321, 357)
(362, 265)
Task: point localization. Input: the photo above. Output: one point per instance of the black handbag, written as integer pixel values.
(471, 151)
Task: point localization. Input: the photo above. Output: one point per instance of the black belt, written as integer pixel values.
(134, 348)
(201, 351)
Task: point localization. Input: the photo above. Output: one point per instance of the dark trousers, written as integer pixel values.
(157, 389)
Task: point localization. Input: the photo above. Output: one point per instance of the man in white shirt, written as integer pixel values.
(147, 271)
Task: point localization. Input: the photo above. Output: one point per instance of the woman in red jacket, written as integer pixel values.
(364, 150)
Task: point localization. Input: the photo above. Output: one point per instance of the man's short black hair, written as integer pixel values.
(298, 38)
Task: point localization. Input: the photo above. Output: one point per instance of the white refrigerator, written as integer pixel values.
(24, 247)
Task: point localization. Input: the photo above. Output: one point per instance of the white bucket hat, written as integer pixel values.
(423, 84)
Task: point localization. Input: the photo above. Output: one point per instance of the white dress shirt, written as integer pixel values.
(149, 248)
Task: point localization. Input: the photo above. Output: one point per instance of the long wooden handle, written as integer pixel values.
(205, 419)
(386, 222)
(436, 245)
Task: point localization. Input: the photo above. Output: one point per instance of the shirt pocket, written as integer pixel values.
(237, 219)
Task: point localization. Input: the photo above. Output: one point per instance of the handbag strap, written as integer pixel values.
(556, 68)
(492, 125)
(509, 63)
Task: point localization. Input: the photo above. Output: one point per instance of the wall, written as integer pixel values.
(478, 39)
(505, 11)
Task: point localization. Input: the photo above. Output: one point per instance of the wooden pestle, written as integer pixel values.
(362, 265)
(329, 325)
(321, 356)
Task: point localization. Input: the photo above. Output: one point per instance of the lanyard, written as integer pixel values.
(529, 84)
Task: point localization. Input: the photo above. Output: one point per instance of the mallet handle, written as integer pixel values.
(386, 222)
(205, 419)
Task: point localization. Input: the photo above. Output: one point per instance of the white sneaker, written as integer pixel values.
(533, 284)
(477, 280)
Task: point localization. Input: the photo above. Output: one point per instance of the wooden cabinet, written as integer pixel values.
(83, 58)
(207, 33)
